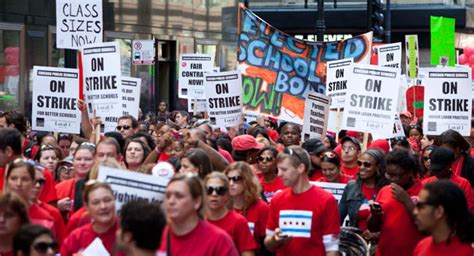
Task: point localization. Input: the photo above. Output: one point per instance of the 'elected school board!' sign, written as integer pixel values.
(448, 100)
(337, 73)
(191, 74)
(371, 100)
(78, 23)
(101, 67)
(316, 114)
(130, 95)
(224, 97)
(55, 95)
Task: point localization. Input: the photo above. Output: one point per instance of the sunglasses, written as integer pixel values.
(66, 169)
(87, 144)
(125, 127)
(219, 190)
(328, 155)
(40, 182)
(42, 247)
(46, 147)
(264, 158)
(235, 179)
(365, 164)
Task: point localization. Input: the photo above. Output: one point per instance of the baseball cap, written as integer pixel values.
(314, 146)
(441, 158)
(163, 169)
(351, 139)
(66, 160)
(246, 142)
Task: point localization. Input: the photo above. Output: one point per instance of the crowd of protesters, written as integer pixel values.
(246, 190)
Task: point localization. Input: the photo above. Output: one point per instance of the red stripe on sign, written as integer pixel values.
(81, 87)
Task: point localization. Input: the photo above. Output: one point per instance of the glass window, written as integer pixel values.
(9, 69)
(57, 55)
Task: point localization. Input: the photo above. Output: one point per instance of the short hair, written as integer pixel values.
(224, 142)
(16, 118)
(268, 148)
(10, 137)
(118, 137)
(111, 141)
(93, 185)
(404, 159)
(145, 221)
(26, 236)
(195, 187)
(200, 159)
(15, 203)
(129, 117)
(297, 156)
(149, 139)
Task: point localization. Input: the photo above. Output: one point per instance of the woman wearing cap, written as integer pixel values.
(357, 193)
(244, 190)
(65, 170)
(331, 168)
(217, 189)
(245, 148)
(187, 233)
(271, 182)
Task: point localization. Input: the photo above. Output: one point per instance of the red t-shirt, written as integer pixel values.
(273, 134)
(317, 174)
(48, 193)
(2, 177)
(398, 234)
(66, 189)
(306, 217)
(351, 172)
(41, 217)
(461, 182)
(10, 253)
(257, 218)
(271, 188)
(456, 166)
(60, 228)
(226, 155)
(427, 247)
(204, 239)
(343, 179)
(82, 237)
(236, 226)
(364, 210)
(78, 219)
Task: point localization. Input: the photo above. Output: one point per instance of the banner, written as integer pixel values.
(54, 103)
(143, 52)
(389, 55)
(371, 100)
(442, 41)
(224, 98)
(278, 70)
(191, 74)
(316, 114)
(412, 56)
(133, 186)
(78, 23)
(130, 95)
(101, 67)
(336, 84)
(448, 102)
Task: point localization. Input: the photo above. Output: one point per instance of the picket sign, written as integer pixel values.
(315, 116)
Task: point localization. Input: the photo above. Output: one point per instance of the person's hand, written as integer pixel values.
(280, 238)
(400, 194)
(368, 236)
(81, 105)
(95, 120)
(65, 204)
(190, 139)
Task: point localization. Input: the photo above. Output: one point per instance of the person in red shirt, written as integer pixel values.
(303, 218)
(217, 189)
(392, 215)
(463, 164)
(315, 147)
(331, 168)
(34, 240)
(187, 233)
(350, 151)
(442, 212)
(100, 203)
(425, 162)
(13, 214)
(266, 164)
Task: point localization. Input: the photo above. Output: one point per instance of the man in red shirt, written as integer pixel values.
(350, 152)
(303, 218)
(442, 212)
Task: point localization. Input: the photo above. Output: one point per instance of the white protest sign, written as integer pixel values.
(130, 95)
(96, 248)
(133, 186)
(390, 55)
(143, 52)
(336, 81)
(101, 67)
(54, 103)
(191, 74)
(224, 97)
(448, 100)
(371, 100)
(197, 105)
(316, 114)
(78, 23)
(336, 189)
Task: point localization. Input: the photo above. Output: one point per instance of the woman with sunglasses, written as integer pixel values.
(357, 193)
(135, 154)
(187, 233)
(14, 214)
(34, 240)
(217, 189)
(100, 203)
(425, 162)
(331, 168)
(266, 164)
(84, 158)
(244, 191)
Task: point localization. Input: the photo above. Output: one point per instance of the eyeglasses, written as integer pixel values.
(219, 190)
(40, 182)
(365, 164)
(125, 127)
(66, 169)
(42, 247)
(46, 147)
(328, 154)
(348, 148)
(87, 144)
(264, 158)
(235, 179)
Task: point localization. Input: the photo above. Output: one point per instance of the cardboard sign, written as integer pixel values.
(337, 73)
(224, 98)
(101, 67)
(191, 74)
(371, 100)
(143, 52)
(133, 186)
(78, 23)
(412, 55)
(390, 55)
(448, 101)
(55, 99)
(130, 95)
(316, 114)
(336, 189)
